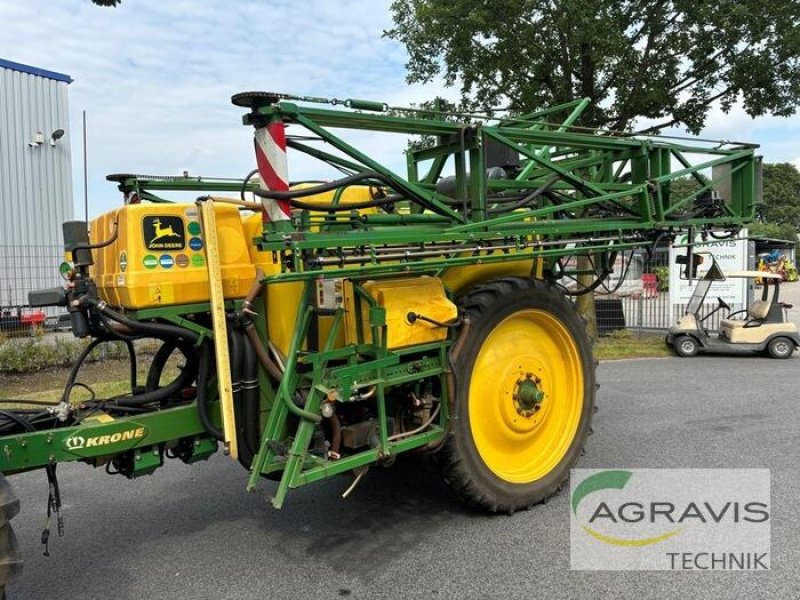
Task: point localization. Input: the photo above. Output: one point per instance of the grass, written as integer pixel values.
(624, 344)
(111, 377)
(107, 378)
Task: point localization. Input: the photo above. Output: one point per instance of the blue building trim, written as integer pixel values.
(7, 64)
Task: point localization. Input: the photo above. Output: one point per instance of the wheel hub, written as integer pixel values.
(528, 395)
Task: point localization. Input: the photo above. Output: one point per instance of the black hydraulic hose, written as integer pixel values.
(156, 330)
(323, 187)
(245, 456)
(251, 405)
(235, 357)
(157, 365)
(19, 420)
(345, 182)
(158, 395)
(245, 182)
(203, 377)
(96, 246)
(54, 494)
(132, 358)
(180, 336)
(529, 198)
(160, 360)
(344, 207)
(73, 374)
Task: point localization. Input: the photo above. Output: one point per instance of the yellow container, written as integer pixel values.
(421, 295)
(354, 194)
(158, 258)
(282, 299)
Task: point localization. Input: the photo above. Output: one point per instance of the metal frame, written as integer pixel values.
(573, 193)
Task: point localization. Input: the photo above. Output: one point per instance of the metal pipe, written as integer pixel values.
(261, 352)
(347, 259)
(423, 427)
(304, 313)
(336, 436)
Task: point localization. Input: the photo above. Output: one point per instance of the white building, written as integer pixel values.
(35, 178)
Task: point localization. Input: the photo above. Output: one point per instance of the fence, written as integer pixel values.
(641, 311)
(642, 301)
(22, 269)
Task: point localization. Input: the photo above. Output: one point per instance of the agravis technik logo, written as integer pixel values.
(613, 480)
(672, 519)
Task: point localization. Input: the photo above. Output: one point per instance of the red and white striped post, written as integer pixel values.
(270, 145)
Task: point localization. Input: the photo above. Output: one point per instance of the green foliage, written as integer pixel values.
(666, 61)
(683, 186)
(791, 272)
(107, 2)
(35, 354)
(781, 197)
(773, 231)
(662, 278)
(620, 334)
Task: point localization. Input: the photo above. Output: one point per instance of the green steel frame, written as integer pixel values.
(577, 192)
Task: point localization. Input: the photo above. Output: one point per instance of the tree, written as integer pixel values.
(107, 2)
(773, 231)
(665, 61)
(683, 186)
(668, 61)
(781, 196)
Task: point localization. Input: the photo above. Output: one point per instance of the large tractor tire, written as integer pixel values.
(10, 555)
(525, 388)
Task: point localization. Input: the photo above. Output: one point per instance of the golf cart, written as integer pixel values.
(760, 327)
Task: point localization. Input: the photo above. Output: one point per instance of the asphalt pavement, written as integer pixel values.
(193, 532)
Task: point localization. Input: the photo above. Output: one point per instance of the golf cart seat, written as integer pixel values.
(757, 311)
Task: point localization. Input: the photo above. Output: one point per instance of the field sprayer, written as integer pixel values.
(335, 325)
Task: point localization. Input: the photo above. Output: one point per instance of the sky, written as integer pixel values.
(155, 79)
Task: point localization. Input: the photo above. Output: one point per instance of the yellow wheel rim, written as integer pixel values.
(525, 396)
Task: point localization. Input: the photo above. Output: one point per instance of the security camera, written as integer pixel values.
(55, 136)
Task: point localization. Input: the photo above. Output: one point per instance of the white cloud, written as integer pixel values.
(778, 137)
(156, 77)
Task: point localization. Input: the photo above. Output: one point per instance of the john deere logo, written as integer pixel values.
(164, 233)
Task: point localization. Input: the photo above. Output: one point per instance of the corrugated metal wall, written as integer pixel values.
(35, 182)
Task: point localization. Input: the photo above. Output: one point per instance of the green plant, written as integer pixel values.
(37, 353)
(791, 272)
(662, 278)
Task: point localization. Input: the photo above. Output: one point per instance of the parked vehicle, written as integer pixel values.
(16, 320)
(762, 327)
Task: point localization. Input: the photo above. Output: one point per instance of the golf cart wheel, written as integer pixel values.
(780, 347)
(685, 346)
(525, 387)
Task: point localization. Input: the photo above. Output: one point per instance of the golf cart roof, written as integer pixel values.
(754, 274)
